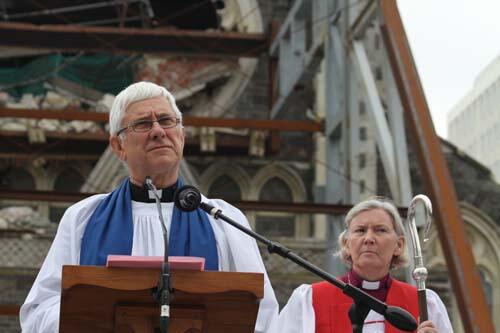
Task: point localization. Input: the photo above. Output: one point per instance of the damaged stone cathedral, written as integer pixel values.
(275, 175)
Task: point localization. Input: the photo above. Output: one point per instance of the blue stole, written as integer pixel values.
(110, 231)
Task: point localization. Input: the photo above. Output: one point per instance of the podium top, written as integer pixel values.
(146, 278)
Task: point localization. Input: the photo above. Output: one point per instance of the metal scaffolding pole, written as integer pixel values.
(463, 271)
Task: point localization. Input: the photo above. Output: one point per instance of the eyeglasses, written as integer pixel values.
(142, 126)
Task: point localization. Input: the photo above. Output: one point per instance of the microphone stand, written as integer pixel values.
(162, 294)
(363, 302)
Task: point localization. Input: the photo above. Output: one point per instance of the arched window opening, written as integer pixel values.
(68, 180)
(18, 179)
(276, 225)
(275, 189)
(224, 187)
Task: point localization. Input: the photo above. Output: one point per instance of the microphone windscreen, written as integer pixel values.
(187, 198)
(400, 319)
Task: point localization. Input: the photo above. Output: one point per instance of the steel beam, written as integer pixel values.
(384, 139)
(59, 135)
(337, 98)
(54, 157)
(267, 206)
(395, 116)
(353, 136)
(67, 9)
(71, 38)
(297, 44)
(463, 271)
(224, 140)
(364, 19)
(9, 310)
(257, 124)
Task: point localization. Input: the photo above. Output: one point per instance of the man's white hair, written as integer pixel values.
(133, 93)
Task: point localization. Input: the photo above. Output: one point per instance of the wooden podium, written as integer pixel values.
(103, 300)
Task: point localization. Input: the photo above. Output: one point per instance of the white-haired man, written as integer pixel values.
(146, 133)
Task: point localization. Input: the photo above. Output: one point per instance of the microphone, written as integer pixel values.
(163, 291)
(187, 198)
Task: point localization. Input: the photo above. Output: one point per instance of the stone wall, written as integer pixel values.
(22, 255)
(22, 258)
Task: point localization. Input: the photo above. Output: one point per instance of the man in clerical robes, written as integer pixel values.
(146, 133)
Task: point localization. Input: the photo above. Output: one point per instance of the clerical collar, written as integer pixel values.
(377, 289)
(357, 281)
(142, 194)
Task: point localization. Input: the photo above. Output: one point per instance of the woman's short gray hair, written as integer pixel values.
(133, 93)
(374, 203)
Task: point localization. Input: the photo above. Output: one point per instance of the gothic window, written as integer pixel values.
(68, 180)
(224, 187)
(275, 189)
(363, 134)
(362, 161)
(362, 108)
(18, 179)
(278, 224)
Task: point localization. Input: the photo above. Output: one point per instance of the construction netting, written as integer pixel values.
(102, 72)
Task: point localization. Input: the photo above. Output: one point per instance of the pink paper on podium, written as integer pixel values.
(189, 263)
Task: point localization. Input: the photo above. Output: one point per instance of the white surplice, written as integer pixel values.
(237, 253)
(298, 314)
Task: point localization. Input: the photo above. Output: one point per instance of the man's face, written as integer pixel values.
(155, 153)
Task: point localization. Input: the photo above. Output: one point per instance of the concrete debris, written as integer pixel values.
(184, 77)
(27, 237)
(105, 103)
(74, 90)
(13, 124)
(55, 101)
(29, 101)
(49, 124)
(36, 136)
(240, 16)
(52, 100)
(19, 217)
(233, 131)
(185, 93)
(80, 126)
(64, 126)
(257, 143)
(4, 98)
(39, 162)
(229, 16)
(207, 139)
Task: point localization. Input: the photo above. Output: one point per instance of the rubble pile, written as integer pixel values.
(20, 217)
(51, 101)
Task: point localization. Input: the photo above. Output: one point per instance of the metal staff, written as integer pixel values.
(420, 272)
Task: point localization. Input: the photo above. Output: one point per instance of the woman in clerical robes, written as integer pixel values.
(372, 243)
